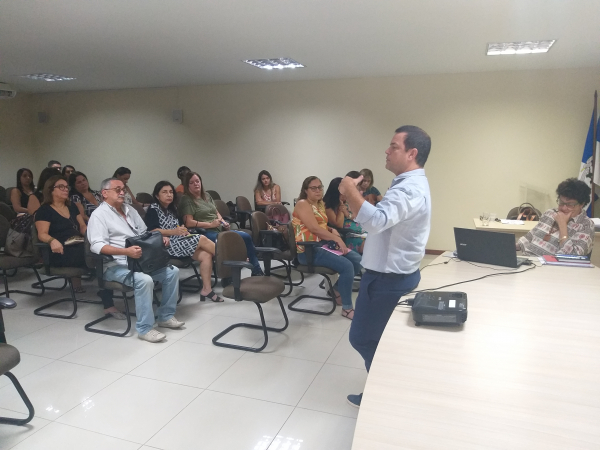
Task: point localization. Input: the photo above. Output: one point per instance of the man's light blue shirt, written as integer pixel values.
(398, 227)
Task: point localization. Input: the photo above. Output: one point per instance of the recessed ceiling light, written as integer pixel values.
(519, 48)
(47, 77)
(274, 63)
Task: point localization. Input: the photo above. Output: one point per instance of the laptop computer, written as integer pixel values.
(487, 247)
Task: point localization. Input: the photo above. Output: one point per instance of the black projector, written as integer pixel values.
(440, 308)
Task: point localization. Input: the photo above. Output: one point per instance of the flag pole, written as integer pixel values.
(595, 122)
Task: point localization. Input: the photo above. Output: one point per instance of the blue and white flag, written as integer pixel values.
(591, 145)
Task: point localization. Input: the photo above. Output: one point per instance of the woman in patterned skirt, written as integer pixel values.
(162, 216)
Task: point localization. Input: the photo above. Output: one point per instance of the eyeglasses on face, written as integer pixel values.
(118, 190)
(62, 187)
(316, 188)
(569, 205)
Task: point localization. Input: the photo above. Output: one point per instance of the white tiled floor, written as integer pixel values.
(101, 392)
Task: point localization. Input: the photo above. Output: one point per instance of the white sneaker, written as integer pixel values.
(152, 336)
(171, 323)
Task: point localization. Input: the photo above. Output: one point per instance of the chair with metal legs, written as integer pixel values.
(231, 259)
(9, 359)
(325, 272)
(41, 250)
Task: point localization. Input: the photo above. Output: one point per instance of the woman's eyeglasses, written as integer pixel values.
(316, 188)
(569, 205)
(62, 187)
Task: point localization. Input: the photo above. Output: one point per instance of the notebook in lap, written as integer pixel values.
(487, 247)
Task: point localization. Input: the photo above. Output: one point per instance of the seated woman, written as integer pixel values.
(67, 171)
(162, 216)
(35, 200)
(310, 224)
(370, 192)
(265, 191)
(123, 174)
(565, 229)
(19, 197)
(56, 221)
(197, 210)
(340, 216)
(82, 196)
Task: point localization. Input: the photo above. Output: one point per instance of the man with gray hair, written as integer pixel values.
(110, 225)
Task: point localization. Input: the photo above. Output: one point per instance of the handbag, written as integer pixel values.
(526, 212)
(18, 238)
(154, 253)
(277, 213)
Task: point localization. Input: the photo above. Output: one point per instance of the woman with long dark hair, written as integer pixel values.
(19, 197)
(36, 199)
(86, 199)
(197, 210)
(339, 215)
(162, 216)
(123, 174)
(266, 192)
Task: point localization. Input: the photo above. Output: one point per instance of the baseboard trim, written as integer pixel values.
(434, 252)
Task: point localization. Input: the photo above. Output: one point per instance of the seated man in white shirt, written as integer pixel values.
(110, 225)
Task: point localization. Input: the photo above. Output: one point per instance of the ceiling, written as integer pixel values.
(118, 44)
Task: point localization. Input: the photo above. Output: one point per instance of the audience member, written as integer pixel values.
(57, 221)
(86, 199)
(54, 164)
(67, 171)
(340, 215)
(162, 216)
(565, 229)
(265, 191)
(197, 210)
(35, 200)
(181, 173)
(19, 197)
(370, 192)
(123, 174)
(310, 224)
(111, 224)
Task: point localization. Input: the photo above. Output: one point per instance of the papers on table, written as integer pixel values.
(512, 222)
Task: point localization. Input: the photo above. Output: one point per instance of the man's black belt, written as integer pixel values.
(397, 276)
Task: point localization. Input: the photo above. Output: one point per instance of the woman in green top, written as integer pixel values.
(197, 210)
(370, 192)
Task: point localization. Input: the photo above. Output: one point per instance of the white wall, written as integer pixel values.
(498, 138)
(16, 145)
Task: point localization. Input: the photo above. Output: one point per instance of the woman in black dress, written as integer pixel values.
(25, 187)
(162, 216)
(57, 221)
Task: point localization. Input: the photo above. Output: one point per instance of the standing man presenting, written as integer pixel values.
(398, 228)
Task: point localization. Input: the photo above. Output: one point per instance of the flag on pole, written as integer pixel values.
(585, 172)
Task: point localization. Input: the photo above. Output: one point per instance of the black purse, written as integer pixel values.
(154, 253)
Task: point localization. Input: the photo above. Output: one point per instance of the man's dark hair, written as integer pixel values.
(416, 138)
(353, 174)
(121, 171)
(52, 162)
(574, 189)
(181, 170)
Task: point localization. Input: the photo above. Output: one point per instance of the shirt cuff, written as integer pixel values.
(97, 247)
(366, 212)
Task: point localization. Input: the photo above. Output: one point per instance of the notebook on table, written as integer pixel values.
(487, 247)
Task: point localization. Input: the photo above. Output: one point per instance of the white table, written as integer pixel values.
(522, 373)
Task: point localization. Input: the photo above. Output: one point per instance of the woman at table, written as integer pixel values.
(565, 229)
(37, 198)
(85, 199)
(370, 192)
(266, 192)
(162, 216)
(19, 197)
(340, 216)
(123, 174)
(197, 210)
(310, 224)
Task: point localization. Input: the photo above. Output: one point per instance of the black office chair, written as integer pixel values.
(243, 211)
(9, 359)
(214, 194)
(7, 211)
(223, 209)
(231, 259)
(144, 197)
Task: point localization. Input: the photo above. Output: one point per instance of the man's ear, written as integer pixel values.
(412, 153)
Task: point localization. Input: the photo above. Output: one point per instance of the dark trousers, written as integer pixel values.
(377, 298)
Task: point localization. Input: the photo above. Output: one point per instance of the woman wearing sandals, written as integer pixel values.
(162, 216)
(310, 224)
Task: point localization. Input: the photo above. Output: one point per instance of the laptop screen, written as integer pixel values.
(487, 247)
